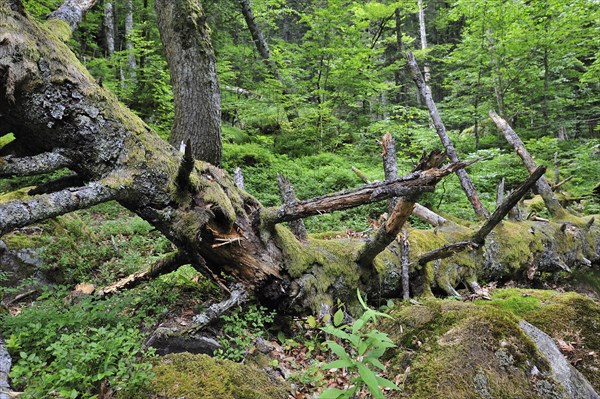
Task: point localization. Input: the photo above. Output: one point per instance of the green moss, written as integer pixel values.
(202, 377)
(19, 241)
(58, 28)
(462, 350)
(20, 194)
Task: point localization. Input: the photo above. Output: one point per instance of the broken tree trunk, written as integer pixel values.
(465, 180)
(542, 185)
(52, 105)
(5, 364)
(288, 197)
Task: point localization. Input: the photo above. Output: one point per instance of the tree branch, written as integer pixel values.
(409, 185)
(72, 11)
(465, 180)
(542, 185)
(16, 214)
(286, 191)
(58, 184)
(479, 237)
(27, 166)
(166, 264)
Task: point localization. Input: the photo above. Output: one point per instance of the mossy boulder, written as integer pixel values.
(189, 376)
(453, 349)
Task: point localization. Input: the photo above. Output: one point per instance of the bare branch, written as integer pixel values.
(27, 166)
(445, 251)
(542, 185)
(429, 216)
(286, 191)
(238, 296)
(72, 11)
(166, 264)
(386, 233)
(16, 214)
(58, 184)
(465, 180)
(409, 185)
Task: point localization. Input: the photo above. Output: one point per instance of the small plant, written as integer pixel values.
(240, 329)
(361, 351)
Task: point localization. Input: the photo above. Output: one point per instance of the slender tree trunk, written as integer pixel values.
(109, 27)
(131, 59)
(465, 181)
(423, 37)
(265, 53)
(191, 59)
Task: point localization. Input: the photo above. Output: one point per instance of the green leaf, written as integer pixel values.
(375, 362)
(311, 321)
(342, 334)
(338, 364)
(338, 317)
(361, 300)
(369, 378)
(331, 393)
(337, 349)
(384, 382)
(358, 324)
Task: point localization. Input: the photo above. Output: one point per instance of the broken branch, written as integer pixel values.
(27, 166)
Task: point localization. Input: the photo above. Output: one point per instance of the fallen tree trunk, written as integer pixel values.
(51, 104)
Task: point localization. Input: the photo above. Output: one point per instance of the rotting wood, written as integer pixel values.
(238, 177)
(478, 238)
(390, 164)
(56, 185)
(286, 190)
(405, 264)
(542, 185)
(500, 192)
(238, 296)
(465, 181)
(409, 185)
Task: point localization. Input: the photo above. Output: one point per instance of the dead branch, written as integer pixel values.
(558, 185)
(542, 185)
(27, 166)
(428, 216)
(445, 251)
(465, 180)
(57, 185)
(238, 296)
(16, 214)
(238, 177)
(409, 185)
(168, 263)
(72, 11)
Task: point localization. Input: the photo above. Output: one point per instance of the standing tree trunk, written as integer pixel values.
(109, 27)
(191, 59)
(131, 60)
(423, 36)
(465, 181)
(265, 53)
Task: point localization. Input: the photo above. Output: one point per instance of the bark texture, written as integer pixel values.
(190, 55)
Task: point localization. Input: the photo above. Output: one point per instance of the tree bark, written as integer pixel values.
(465, 180)
(109, 27)
(5, 365)
(423, 37)
(288, 197)
(131, 59)
(542, 185)
(191, 59)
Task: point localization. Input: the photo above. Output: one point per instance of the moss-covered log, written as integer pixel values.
(51, 103)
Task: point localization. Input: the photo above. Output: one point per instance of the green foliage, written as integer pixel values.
(74, 348)
(241, 328)
(363, 349)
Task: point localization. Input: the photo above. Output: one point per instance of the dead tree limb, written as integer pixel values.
(72, 11)
(238, 177)
(405, 264)
(286, 190)
(542, 185)
(409, 185)
(479, 237)
(390, 165)
(168, 263)
(500, 192)
(16, 214)
(238, 296)
(510, 201)
(56, 185)
(465, 181)
(428, 216)
(386, 233)
(27, 166)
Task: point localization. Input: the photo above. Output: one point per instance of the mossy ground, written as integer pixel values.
(202, 377)
(452, 349)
